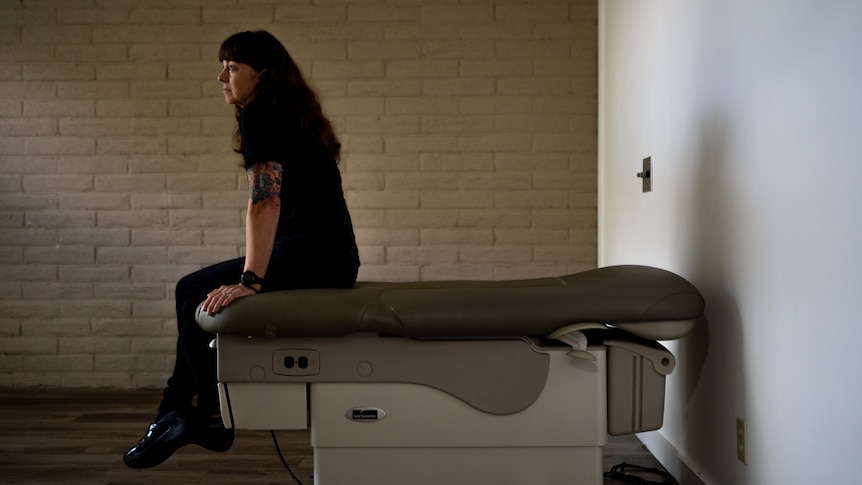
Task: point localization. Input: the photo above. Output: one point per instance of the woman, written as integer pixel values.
(298, 232)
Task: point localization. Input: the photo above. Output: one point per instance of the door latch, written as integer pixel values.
(646, 175)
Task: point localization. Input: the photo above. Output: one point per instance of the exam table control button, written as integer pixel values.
(364, 369)
(296, 362)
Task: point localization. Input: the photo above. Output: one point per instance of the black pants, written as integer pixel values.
(195, 367)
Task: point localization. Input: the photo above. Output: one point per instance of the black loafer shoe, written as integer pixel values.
(175, 430)
(214, 437)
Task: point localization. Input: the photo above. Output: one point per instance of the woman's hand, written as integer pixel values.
(224, 296)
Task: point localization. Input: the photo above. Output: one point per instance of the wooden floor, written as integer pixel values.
(79, 437)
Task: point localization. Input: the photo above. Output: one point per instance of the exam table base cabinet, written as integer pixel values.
(428, 436)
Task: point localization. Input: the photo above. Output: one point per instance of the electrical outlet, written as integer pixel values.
(296, 362)
(742, 440)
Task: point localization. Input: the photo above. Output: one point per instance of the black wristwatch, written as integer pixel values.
(248, 278)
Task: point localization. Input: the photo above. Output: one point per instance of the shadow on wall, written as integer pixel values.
(692, 353)
(713, 370)
(713, 381)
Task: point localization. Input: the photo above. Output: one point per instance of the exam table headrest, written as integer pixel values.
(646, 301)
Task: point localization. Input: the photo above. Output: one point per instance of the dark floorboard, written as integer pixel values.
(79, 437)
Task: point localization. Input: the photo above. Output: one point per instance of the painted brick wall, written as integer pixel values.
(469, 131)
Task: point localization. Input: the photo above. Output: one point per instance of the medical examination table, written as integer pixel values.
(503, 382)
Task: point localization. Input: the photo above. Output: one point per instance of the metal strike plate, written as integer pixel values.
(646, 175)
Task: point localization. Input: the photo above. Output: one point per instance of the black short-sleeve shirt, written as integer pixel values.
(314, 220)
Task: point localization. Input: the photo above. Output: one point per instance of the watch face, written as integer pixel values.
(247, 278)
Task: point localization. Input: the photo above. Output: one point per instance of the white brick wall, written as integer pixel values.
(469, 131)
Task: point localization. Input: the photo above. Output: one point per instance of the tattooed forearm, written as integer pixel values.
(264, 182)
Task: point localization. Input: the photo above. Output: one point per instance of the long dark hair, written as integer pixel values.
(281, 84)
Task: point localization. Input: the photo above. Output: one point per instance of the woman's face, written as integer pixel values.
(238, 82)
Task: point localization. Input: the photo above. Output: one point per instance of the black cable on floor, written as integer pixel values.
(619, 473)
(275, 441)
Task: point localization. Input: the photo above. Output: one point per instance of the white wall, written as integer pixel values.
(752, 113)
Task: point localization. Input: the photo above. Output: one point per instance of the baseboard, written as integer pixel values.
(675, 462)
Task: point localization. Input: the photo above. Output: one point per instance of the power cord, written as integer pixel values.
(277, 449)
(619, 473)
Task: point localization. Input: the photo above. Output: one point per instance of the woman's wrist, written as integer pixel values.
(255, 288)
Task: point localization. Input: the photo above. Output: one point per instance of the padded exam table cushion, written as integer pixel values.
(646, 301)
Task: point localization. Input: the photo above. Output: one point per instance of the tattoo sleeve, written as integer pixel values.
(264, 182)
